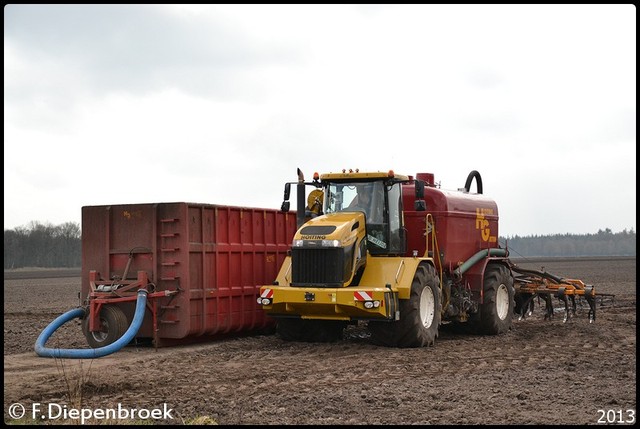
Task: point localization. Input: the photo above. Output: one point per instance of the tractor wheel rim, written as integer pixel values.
(502, 301)
(427, 307)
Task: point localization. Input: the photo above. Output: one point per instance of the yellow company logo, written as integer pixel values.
(483, 224)
(130, 215)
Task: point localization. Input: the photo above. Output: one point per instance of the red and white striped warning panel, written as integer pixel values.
(363, 296)
(267, 293)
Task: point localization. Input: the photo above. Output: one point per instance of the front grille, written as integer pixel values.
(318, 267)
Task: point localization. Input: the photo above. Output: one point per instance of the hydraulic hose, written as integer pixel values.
(477, 258)
(542, 274)
(125, 339)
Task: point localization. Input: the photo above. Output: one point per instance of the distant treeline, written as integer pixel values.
(43, 245)
(49, 246)
(603, 243)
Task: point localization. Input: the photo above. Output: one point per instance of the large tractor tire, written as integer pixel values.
(113, 324)
(316, 331)
(496, 312)
(419, 315)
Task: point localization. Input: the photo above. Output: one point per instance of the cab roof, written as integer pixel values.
(348, 175)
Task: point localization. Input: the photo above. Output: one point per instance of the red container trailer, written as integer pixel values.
(202, 265)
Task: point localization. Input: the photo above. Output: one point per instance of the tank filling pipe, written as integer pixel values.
(125, 339)
(458, 272)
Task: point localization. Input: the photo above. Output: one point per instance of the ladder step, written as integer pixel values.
(169, 220)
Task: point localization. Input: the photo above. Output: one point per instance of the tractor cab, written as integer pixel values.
(379, 199)
(349, 216)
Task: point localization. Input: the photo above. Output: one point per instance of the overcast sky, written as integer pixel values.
(220, 104)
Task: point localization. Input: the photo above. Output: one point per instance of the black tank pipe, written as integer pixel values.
(470, 177)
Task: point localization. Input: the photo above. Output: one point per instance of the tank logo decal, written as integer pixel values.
(483, 224)
(314, 237)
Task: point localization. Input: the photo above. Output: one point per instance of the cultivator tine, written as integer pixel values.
(526, 305)
(548, 307)
(591, 300)
(563, 297)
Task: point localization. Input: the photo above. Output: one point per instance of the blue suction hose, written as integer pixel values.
(125, 339)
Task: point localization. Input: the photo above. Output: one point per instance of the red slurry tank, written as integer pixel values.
(464, 222)
(202, 264)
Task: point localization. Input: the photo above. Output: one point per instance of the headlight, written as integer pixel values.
(371, 304)
(316, 243)
(330, 243)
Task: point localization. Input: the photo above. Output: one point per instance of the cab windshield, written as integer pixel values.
(380, 203)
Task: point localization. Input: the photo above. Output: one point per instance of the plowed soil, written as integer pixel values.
(541, 372)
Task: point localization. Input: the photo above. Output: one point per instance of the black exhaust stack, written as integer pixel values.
(301, 206)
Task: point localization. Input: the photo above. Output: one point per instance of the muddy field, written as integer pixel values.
(541, 372)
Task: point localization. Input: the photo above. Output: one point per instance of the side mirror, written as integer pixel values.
(287, 191)
(285, 206)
